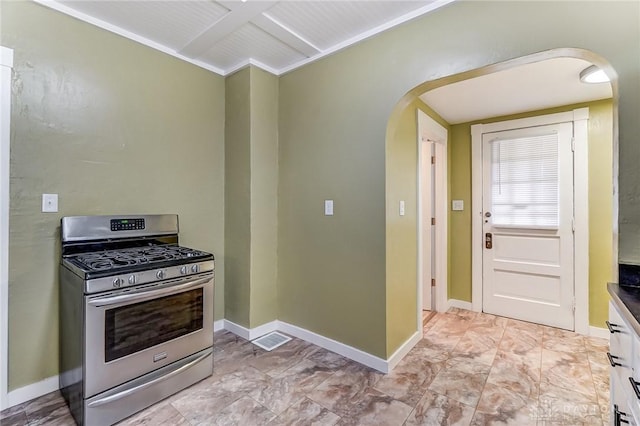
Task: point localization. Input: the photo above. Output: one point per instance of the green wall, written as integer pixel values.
(600, 204)
(331, 269)
(237, 197)
(251, 191)
(113, 127)
(402, 247)
(459, 265)
(264, 197)
(601, 220)
(332, 145)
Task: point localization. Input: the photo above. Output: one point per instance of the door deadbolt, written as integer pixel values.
(488, 240)
(487, 214)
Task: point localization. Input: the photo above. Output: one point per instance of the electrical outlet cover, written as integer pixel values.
(49, 203)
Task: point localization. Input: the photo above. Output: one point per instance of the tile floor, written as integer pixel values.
(470, 369)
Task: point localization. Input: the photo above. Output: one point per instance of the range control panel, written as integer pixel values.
(127, 224)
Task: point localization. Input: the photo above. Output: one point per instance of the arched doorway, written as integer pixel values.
(397, 148)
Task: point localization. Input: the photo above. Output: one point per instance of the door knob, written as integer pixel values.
(488, 240)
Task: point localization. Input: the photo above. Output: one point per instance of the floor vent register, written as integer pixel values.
(270, 341)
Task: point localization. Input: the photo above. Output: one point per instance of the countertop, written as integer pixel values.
(627, 299)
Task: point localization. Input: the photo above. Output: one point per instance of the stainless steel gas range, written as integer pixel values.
(136, 314)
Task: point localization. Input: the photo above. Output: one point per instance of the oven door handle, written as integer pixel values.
(142, 386)
(147, 295)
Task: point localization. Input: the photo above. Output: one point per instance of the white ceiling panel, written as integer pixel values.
(240, 14)
(328, 23)
(281, 35)
(250, 42)
(278, 35)
(170, 23)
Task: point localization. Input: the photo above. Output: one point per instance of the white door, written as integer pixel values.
(432, 202)
(527, 217)
(427, 186)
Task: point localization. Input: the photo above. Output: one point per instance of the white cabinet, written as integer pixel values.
(624, 357)
(632, 383)
(620, 344)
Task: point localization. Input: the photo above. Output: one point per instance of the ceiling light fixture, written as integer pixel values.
(593, 74)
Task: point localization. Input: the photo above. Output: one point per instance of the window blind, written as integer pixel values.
(524, 184)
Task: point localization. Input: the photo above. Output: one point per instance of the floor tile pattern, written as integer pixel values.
(469, 369)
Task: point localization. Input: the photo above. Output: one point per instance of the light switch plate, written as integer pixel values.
(328, 207)
(49, 203)
(457, 205)
(401, 208)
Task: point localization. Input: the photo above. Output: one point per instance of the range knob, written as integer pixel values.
(117, 282)
(183, 270)
(195, 268)
(133, 279)
(160, 274)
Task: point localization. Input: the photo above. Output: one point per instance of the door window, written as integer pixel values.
(524, 181)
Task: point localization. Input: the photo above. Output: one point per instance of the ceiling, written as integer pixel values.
(530, 87)
(279, 36)
(224, 36)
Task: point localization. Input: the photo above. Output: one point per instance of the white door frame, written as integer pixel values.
(580, 118)
(6, 65)
(428, 128)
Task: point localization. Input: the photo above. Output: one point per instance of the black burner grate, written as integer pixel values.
(124, 258)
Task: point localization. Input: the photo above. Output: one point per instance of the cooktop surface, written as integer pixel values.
(146, 257)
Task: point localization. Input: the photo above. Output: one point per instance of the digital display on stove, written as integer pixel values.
(127, 224)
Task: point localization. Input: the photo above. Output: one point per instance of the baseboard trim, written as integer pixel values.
(250, 333)
(34, 390)
(218, 325)
(263, 329)
(335, 346)
(403, 350)
(460, 304)
(236, 329)
(599, 332)
(354, 354)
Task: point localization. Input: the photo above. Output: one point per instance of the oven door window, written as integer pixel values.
(133, 328)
